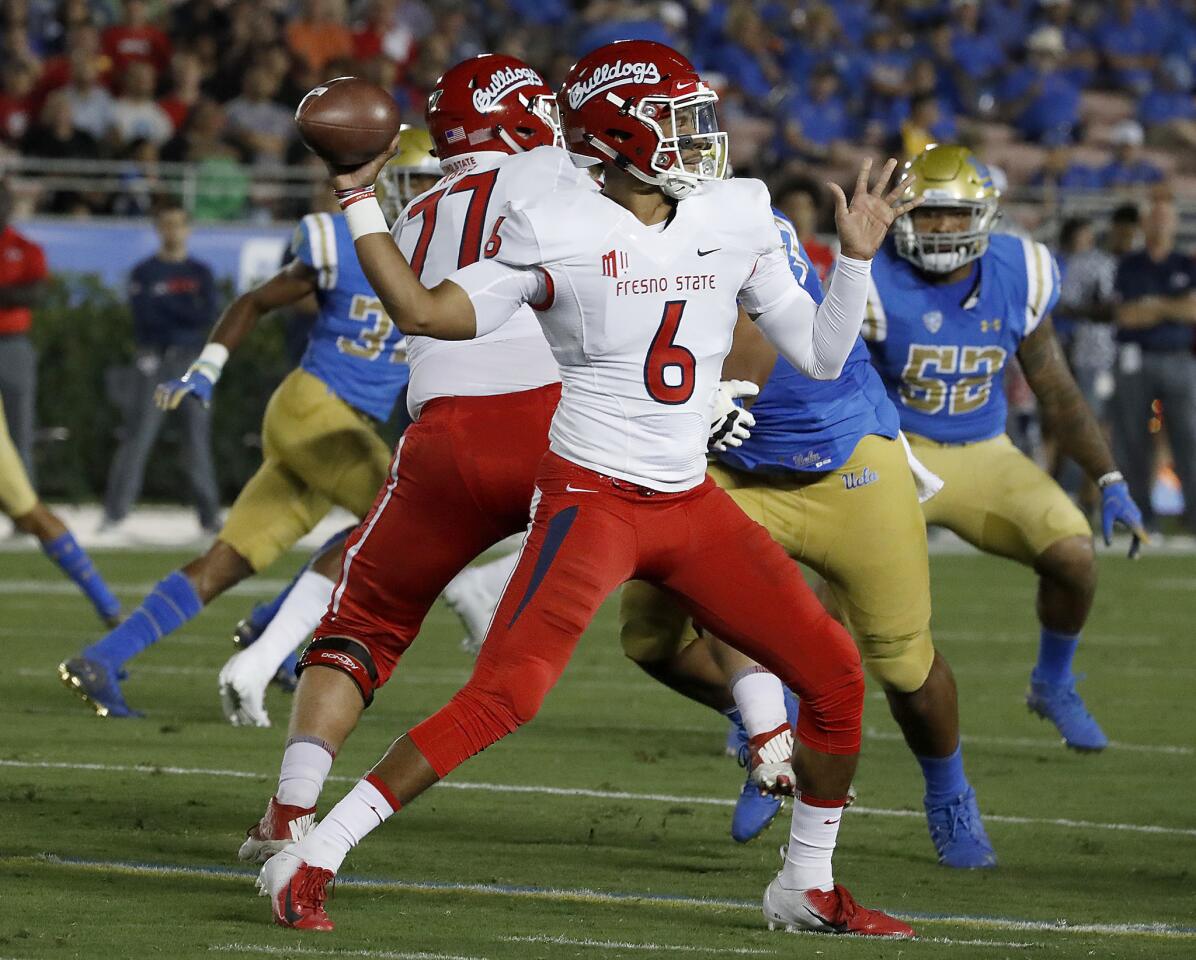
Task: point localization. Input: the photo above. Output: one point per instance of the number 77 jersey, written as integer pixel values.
(942, 349)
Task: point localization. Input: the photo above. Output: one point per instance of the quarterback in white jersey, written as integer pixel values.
(637, 290)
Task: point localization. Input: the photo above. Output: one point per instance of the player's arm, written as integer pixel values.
(1072, 423)
(290, 285)
(752, 357)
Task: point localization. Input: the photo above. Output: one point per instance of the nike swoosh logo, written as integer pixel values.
(292, 915)
(828, 822)
(706, 253)
(569, 488)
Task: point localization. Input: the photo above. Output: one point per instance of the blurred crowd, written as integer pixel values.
(1062, 94)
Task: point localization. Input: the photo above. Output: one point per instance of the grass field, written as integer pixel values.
(601, 830)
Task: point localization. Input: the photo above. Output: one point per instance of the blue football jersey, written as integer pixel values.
(942, 350)
(354, 347)
(812, 425)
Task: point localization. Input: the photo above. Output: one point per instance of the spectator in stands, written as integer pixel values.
(1131, 38)
(173, 299)
(82, 44)
(135, 40)
(140, 182)
(16, 101)
(1080, 59)
(1083, 321)
(1128, 168)
(1168, 112)
(186, 87)
(818, 125)
(55, 137)
(800, 199)
(1039, 99)
(91, 103)
(256, 122)
(977, 52)
(1156, 319)
(320, 34)
(136, 114)
(23, 276)
(820, 40)
(747, 58)
(1059, 173)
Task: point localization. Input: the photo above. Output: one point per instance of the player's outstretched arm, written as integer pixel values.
(290, 285)
(1070, 420)
(445, 311)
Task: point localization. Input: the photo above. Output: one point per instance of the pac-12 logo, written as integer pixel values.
(612, 75)
(614, 263)
(933, 321)
(504, 81)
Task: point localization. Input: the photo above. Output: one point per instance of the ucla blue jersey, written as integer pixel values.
(942, 350)
(354, 347)
(813, 425)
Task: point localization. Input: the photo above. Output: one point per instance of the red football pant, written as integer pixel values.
(460, 482)
(590, 534)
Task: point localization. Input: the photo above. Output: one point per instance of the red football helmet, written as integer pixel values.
(491, 102)
(643, 106)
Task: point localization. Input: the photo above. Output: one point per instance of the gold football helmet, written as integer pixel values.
(408, 173)
(949, 178)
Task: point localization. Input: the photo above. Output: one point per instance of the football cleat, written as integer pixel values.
(98, 685)
(281, 825)
(958, 834)
(243, 693)
(758, 803)
(468, 597)
(245, 634)
(827, 911)
(297, 892)
(1063, 706)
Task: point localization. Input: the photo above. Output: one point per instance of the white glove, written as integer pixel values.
(730, 423)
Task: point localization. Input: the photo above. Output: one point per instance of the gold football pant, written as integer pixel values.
(317, 451)
(17, 497)
(859, 528)
(998, 499)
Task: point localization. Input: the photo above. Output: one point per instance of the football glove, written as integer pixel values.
(193, 383)
(1117, 506)
(730, 423)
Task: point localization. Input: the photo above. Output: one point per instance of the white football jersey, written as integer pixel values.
(638, 317)
(447, 228)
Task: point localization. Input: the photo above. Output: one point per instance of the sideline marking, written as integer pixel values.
(1162, 930)
(543, 790)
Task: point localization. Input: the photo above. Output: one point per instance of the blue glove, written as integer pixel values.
(1117, 506)
(191, 384)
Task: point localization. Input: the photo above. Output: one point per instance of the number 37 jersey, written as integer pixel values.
(638, 317)
(942, 350)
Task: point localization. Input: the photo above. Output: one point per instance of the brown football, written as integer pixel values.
(347, 121)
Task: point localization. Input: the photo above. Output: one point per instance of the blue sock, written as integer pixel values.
(263, 613)
(945, 778)
(1055, 653)
(73, 560)
(170, 604)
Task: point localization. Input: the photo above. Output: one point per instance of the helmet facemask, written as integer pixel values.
(543, 107)
(941, 252)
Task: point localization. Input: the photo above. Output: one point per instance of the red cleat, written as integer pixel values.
(297, 892)
(281, 825)
(829, 911)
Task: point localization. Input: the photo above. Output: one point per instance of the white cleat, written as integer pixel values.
(474, 603)
(826, 911)
(243, 692)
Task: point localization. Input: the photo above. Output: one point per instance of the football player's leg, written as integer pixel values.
(873, 543)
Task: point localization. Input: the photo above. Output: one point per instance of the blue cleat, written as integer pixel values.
(957, 833)
(245, 634)
(754, 810)
(1063, 706)
(98, 685)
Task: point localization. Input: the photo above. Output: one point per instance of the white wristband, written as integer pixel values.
(364, 216)
(211, 360)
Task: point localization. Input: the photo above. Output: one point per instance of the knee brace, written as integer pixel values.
(347, 656)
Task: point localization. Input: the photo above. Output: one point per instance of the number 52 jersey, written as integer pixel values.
(942, 349)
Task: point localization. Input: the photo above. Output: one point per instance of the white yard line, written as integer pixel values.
(545, 790)
(1159, 930)
(1040, 743)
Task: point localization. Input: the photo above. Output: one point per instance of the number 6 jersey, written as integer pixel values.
(942, 350)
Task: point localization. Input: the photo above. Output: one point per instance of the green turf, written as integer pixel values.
(65, 833)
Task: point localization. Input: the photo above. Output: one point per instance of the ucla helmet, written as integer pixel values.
(416, 158)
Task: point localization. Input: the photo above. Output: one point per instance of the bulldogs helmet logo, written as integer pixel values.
(504, 82)
(610, 75)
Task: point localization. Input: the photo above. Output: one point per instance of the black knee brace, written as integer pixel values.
(345, 655)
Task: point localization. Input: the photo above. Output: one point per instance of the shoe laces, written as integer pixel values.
(960, 819)
(310, 886)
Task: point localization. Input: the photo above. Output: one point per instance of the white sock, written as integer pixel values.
(298, 616)
(812, 838)
(346, 825)
(305, 766)
(760, 698)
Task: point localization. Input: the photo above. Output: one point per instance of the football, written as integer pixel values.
(347, 121)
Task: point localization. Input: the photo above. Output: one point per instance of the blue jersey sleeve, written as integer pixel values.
(799, 262)
(315, 243)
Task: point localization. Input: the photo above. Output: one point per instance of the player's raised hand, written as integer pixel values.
(863, 223)
(1117, 506)
(193, 383)
(349, 178)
